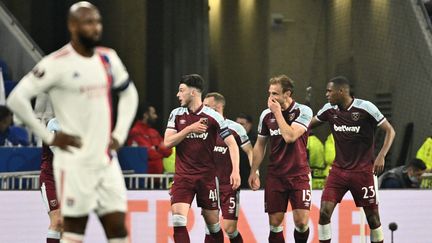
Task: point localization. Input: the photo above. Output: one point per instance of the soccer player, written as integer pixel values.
(353, 123)
(284, 124)
(229, 198)
(48, 189)
(193, 128)
(79, 79)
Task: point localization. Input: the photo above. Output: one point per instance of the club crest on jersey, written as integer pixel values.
(70, 202)
(38, 73)
(182, 121)
(272, 120)
(53, 202)
(355, 116)
(291, 117)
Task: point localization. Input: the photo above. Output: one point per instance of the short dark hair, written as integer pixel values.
(218, 97)
(340, 81)
(193, 80)
(245, 116)
(4, 112)
(417, 164)
(285, 82)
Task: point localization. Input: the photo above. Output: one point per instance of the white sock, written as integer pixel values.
(301, 230)
(214, 228)
(276, 229)
(52, 234)
(376, 235)
(69, 237)
(118, 240)
(324, 232)
(233, 234)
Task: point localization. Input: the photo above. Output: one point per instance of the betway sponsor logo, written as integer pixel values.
(275, 132)
(220, 149)
(202, 136)
(344, 128)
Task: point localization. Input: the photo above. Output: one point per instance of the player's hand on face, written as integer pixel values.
(273, 105)
(114, 144)
(235, 180)
(378, 165)
(64, 141)
(198, 127)
(254, 181)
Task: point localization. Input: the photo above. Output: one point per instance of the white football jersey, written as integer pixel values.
(80, 91)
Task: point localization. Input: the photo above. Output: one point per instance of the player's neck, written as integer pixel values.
(82, 50)
(346, 102)
(195, 105)
(286, 104)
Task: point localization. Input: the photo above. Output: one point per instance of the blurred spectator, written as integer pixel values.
(329, 152)
(4, 69)
(406, 176)
(425, 153)
(247, 122)
(142, 134)
(169, 162)
(11, 135)
(315, 150)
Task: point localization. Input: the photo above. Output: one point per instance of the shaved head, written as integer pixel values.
(74, 10)
(85, 25)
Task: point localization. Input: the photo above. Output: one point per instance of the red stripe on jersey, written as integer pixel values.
(62, 176)
(107, 67)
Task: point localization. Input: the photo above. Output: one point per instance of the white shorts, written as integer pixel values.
(82, 190)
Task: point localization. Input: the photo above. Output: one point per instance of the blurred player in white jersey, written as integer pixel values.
(79, 79)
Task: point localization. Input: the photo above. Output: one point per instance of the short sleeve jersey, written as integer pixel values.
(221, 151)
(80, 91)
(353, 131)
(194, 154)
(286, 159)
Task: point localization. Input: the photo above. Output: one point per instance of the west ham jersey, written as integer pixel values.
(221, 152)
(353, 131)
(80, 91)
(286, 159)
(194, 154)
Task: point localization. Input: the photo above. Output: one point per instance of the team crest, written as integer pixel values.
(70, 202)
(355, 116)
(272, 120)
(38, 73)
(53, 202)
(182, 122)
(291, 116)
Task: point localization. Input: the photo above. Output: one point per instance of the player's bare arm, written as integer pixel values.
(388, 140)
(258, 156)
(63, 141)
(289, 133)
(235, 160)
(248, 149)
(172, 137)
(315, 123)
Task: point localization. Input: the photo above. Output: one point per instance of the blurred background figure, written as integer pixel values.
(247, 122)
(143, 134)
(425, 153)
(315, 152)
(11, 135)
(406, 176)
